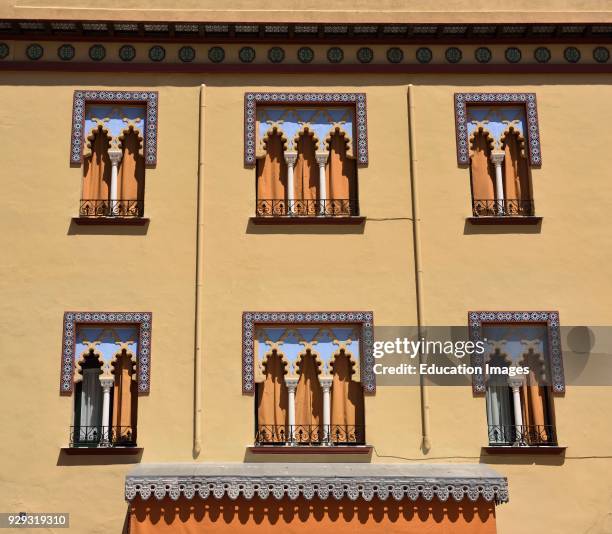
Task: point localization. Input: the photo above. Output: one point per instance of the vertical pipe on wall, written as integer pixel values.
(416, 220)
(197, 372)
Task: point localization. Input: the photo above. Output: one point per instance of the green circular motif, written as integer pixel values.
(157, 53)
(483, 54)
(335, 55)
(66, 52)
(247, 54)
(216, 54)
(542, 54)
(127, 53)
(186, 54)
(395, 55)
(35, 51)
(424, 55)
(365, 55)
(571, 54)
(601, 54)
(97, 52)
(276, 54)
(453, 54)
(305, 54)
(4, 50)
(513, 55)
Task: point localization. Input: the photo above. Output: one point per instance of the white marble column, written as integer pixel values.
(322, 161)
(107, 384)
(114, 155)
(326, 383)
(291, 383)
(515, 384)
(497, 158)
(290, 158)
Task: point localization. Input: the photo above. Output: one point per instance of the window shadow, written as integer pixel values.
(107, 229)
(72, 459)
(303, 228)
(507, 228)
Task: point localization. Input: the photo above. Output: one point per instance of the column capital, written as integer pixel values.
(291, 158)
(326, 382)
(516, 382)
(291, 382)
(107, 382)
(321, 158)
(497, 157)
(114, 155)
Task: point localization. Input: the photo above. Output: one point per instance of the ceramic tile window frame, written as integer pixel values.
(463, 100)
(253, 99)
(82, 97)
(476, 319)
(365, 319)
(74, 319)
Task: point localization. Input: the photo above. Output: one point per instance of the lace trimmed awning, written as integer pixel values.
(354, 481)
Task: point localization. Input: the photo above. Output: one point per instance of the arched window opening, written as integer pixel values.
(272, 399)
(272, 176)
(97, 174)
(482, 174)
(341, 172)
(321, 147)
(308, 402)
(517, 178)
(88, 429)
(131, 177)
(347, 404)
(125, 400)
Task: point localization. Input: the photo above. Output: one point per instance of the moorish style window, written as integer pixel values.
(308, 148)
(520, 407)
(107, 377)
(112, 136)
(309, 382)
(497, 135)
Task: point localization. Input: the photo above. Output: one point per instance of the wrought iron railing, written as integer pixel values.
(111, 208)
(509, 207)
(522, 435)
(102, 436)
(307, 208)
(310, 435)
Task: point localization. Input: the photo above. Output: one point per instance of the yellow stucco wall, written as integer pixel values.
(50, 266)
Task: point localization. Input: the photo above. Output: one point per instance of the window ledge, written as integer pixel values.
(307, 220)
(103, 221)
(315, 449)
(550, 449)
(102, 451)
(492, 219)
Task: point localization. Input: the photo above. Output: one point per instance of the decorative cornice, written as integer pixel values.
(73, 319)
(423, 482)
(476, 319)
(364, 319)
(462, 100)
(298, 32)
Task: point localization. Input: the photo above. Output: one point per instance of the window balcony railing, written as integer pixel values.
(102, 436)
(307, 208)
(509, 207)
(522, 436)
(305, 435)
(111, 208)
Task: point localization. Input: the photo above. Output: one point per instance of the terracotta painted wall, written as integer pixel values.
(296, 517)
